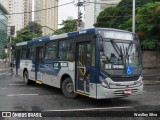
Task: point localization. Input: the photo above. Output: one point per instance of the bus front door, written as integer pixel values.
(38, 61)
(83, 65)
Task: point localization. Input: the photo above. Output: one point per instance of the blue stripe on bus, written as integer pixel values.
(39, 39)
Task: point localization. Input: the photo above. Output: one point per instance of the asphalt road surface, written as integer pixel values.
(16, 96)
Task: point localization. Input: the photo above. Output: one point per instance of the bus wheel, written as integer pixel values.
(26, 79)
(68, 88)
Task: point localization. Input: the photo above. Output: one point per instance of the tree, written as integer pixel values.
(116, 17)
(25, 35)
(147, 22)
(69, 25)
(3, 55)
(147, 25)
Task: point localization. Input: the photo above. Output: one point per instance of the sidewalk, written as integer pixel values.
(3, 65)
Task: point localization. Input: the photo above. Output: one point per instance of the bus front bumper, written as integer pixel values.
(103, 93)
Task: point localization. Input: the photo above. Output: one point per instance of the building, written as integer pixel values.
(27, 9)
(94, 8)
(47, 18)
(18, 6)
(3, 28)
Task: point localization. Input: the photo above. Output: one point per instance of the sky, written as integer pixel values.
(66, 11)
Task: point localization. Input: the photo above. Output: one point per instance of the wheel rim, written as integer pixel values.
(69, 87)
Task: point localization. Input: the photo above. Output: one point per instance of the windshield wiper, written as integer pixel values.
(127, 52)
(117, 49)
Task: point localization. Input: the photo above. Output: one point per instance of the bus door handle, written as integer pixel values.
(83, 73)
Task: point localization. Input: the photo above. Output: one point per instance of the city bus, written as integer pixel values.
(99, 63)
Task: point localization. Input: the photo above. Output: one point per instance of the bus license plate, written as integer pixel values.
(127, 92)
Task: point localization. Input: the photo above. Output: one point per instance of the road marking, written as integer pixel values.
(15, 84)
(4, 73)
(144, 91)
(3, 88)
(87, 109)
(22, 95)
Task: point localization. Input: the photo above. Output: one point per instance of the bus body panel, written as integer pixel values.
(53, 76)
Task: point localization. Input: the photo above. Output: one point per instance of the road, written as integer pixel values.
(16, 96)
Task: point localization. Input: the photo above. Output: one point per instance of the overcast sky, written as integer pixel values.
(66, 11)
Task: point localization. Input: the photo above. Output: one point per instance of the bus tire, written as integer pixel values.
(26, 79)
(68, 88)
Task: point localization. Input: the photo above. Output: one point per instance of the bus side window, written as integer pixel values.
(24, 51)
(51, 51)
(29, 52)
(66, 50)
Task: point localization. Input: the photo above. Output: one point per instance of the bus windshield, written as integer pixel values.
(117, 55)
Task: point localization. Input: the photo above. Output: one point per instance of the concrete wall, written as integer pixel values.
(151, 59)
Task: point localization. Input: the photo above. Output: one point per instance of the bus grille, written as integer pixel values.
(123, 79)
(120, 93)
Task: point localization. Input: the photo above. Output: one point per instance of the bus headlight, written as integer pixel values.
(139, 82)
(104, 83)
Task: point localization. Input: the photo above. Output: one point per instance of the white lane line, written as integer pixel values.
(3, 88)
(15, 84)
(12, 95)
(87, 109)
(144, 91)
(4, 73)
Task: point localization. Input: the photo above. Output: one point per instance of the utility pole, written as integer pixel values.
(79, 21)
(133, 17)
(12, 32)
(10, 54)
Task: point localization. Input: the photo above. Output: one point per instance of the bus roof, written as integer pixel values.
(21, 43)
(67, 35)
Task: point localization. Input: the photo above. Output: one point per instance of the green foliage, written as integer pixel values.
(69, 25)
(116, 17)
(147, 22)
(3, 55)
(25, 35)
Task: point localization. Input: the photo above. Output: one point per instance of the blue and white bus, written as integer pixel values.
(99, 63)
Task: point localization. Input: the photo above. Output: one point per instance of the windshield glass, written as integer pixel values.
(120, 57)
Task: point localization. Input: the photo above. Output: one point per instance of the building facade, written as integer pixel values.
(28, 10)
(3, 28)
(47, 18)
(17, 9)
(94, 8)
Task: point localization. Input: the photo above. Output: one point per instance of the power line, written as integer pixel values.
(126, 16)
(114, 4)
(42, 9)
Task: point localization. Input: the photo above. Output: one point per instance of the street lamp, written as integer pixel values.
(133, 17)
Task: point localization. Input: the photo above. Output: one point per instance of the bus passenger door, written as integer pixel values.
(38, 61)
(83, 66)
